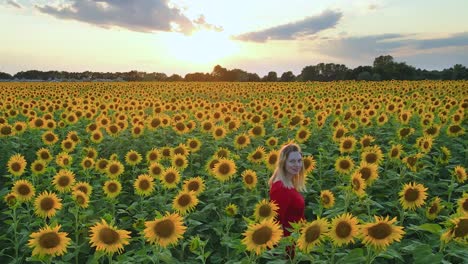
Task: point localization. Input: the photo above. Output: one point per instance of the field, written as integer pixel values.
(178, 172)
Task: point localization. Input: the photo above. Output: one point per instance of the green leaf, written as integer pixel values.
(433, 228)
(423, 255)
(354, 256)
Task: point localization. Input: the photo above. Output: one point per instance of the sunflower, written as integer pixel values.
(302, 134)
(262, 236)
(381, 233)
(114, 169)
(46, 204)
(38, 167)
(457, 230)
(249, 177)
(49, 241)
(339, 132)
(309, 164)
(19, 127)
(195, 185)
(460, 174)
(96, 136)
(107, 238)
(10, 199)
(133, 158)
(87, 163)
(265, 210)
(17, 164)
(184, 202)
(411, 161)
(166, 152)
(218, 132)
(413, 195)
(241, 141)
(432, 130)
(366, 141)
(144, 185)
(327, 199)
(455, 130)
(84, 187)
(433, 209)
(224, 169)
(222, 153)
(170, 177)
(179, 162)
(405, 132)
(80, 198)
(347, 144)
(445, 155)
(369, 172)
(68, 145)
(153, 155)
(101, 165)
(194, 144)
(463, 204)
(155, 169)
(424, 143)
(344, 165)
(112, 188)
(344, 228)
(231, 209)
(372, 155)
(358, 185)
(181, 149)
(90, 152)
(257, 131)
(24, 190)
(49, 138)
(44, 154)
(395, 152)
(63, 180)
(63, 159)
(165, 230)
(312, 234)
(258, 155)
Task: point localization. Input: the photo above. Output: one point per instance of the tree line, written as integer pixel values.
(383, 68)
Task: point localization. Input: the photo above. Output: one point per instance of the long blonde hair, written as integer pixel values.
(298, 181)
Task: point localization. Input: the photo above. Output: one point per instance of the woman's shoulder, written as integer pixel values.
(278, 184)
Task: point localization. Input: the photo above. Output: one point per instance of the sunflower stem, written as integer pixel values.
(332, 261)
(109, 257)
(77, 235)
(451, 187)
(15, 226)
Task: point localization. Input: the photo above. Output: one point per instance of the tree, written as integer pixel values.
(287, 77)
(219, 73)
(384, 66)
(175, 78)
(5, 76)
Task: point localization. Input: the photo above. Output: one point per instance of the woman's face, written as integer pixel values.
(293, 164)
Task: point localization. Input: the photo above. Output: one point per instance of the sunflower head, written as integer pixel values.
(412, 196)
(344, 165)
(47, 204)
(23, 190)
(184, 202)
(16, 165)
(344, 228)
(195, 185)
(224, 169)
(48, 241)
(231, 209)
(262, 236)
(265, 210)
(433, 209)
(327, 199)
(80, 198)
(165, 230)
(170, 177)
(381, 233)
(460, 174)
(249, 177)
(312, 234)
(144, 185)
(107, 238)
(241, 141)
(112, 188)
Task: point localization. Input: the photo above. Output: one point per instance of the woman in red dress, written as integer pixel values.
(285, 183)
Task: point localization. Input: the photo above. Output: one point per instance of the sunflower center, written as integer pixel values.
(224, 168)
(47, 203)
(112, 187)
(345, 164)
(87, 163)
(404, 132)
(179, 162)
(356, 184)
(83, 189)
(371, 158)
(64, 181)
(38, 167)
(412, 161)
(326, 199)
(343, 229)
(411, 195)
(347, 144)
(152, 156)
(394, 152)
(144, 184)
(114, 168)
(108, 236)
(302, 134)
(156, 170)
(184, 200)
(50, 137)
(465, 205)
(80, 199)
(16, 166)
(262, 235)
(264, 210)
(339, 133)
(44, 155)
(24, 189)
(365, 173)
(433, 208)
(193, 186)
(312, 233)
(241, 140)
(461, 230)
(455, 128)
(164, 228)
(170, 177)
(49, 240)
(133, 157)
(257, 155)
(193, 144)
(248, 179)
(257, 130)
(380, 231)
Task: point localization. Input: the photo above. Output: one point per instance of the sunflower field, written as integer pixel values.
(178, 172)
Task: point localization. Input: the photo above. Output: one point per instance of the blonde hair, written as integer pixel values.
(298, 181)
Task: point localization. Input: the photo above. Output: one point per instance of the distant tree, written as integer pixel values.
(384, 66)
(354, 73)
(175, 78)
(364, 76)
(309, 73)
(5, 76)
(459, 72)
(287, 77)
(270, 77)
(253, 77)
(219, 73)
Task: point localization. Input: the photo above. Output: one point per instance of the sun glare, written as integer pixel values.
(202, 48)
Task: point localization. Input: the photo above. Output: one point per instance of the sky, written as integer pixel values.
(257, 36)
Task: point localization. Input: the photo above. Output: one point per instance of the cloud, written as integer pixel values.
(295, 30)
(142, 15)
(13, 3)
(200, 21)
(403, 47)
